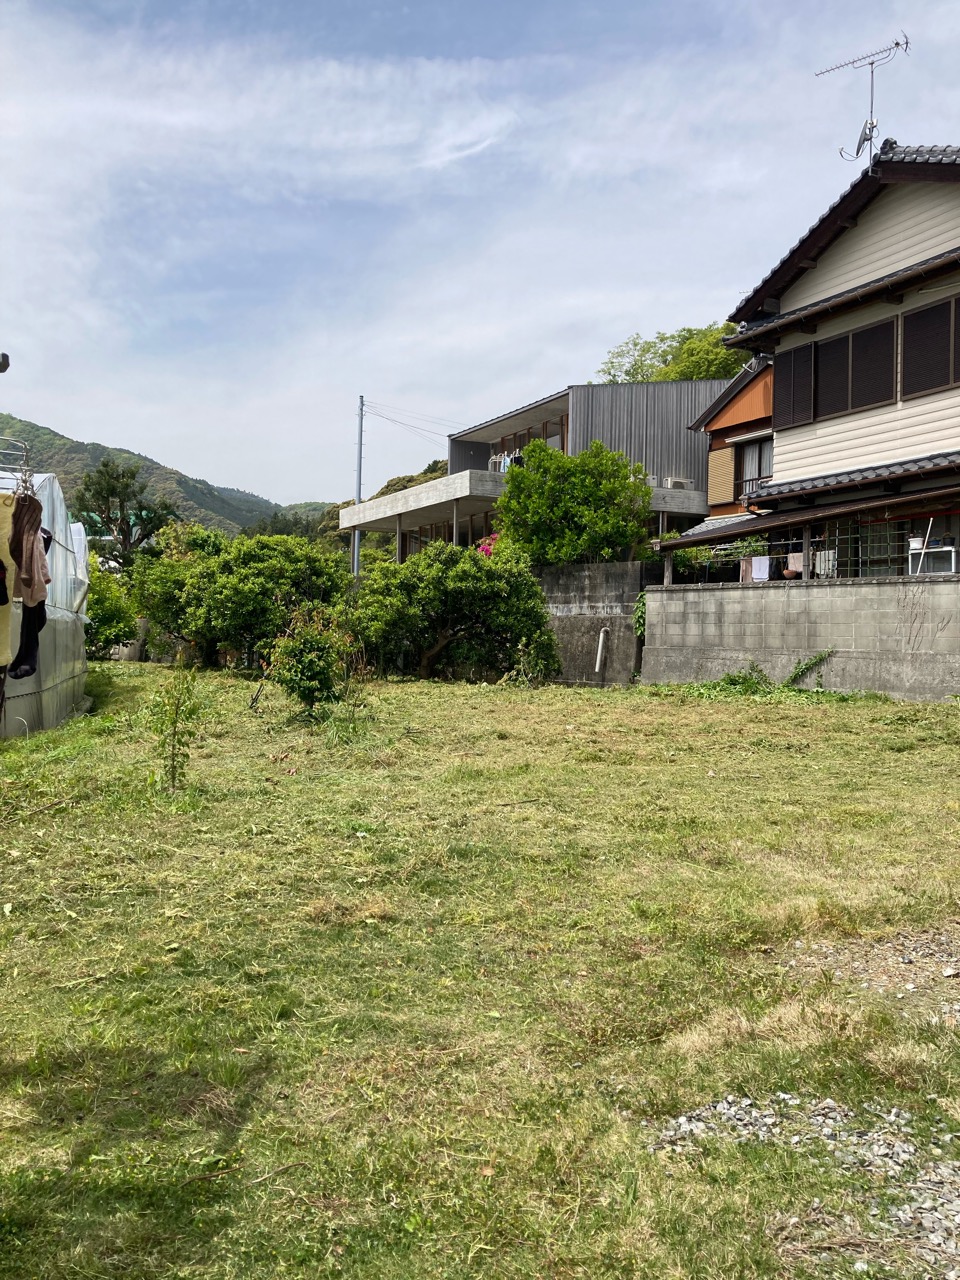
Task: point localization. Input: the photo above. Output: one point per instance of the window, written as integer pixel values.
(927, 343)
(873, 365)
(837, 375)
(833, 376)
(856, 370)
(793, 386)
(754, 463)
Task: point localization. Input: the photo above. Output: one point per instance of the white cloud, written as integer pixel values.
(524, 216)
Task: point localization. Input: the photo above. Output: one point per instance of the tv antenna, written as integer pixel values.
(872, 60)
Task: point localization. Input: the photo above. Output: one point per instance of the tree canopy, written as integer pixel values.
(238, 595)
(112, 619)
(568, 510)
(451, 610)
(111, 504)
(672, 357)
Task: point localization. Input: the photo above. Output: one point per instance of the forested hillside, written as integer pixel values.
(217, 507)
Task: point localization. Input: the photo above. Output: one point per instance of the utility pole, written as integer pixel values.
(355, 548)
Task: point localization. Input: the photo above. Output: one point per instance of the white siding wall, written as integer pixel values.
(896, 432)
(912, 429)
(905, 224)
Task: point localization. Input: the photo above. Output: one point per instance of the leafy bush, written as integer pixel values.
(640, 616)
(588, 508)
(111, 612)
(313, 662)
(237, 596)
(160, 577)
(452, 610)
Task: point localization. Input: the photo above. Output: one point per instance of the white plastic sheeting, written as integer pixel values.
(46, 699)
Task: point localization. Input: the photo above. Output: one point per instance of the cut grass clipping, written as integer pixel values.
(421, 999)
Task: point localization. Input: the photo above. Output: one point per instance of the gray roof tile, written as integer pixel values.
(891, 150)
(861, 475)
(860, 192)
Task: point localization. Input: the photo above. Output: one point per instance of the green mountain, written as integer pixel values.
(215, 506)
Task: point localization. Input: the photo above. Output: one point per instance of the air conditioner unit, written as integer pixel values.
(677, 482)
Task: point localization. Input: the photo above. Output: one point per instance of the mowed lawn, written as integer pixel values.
(415, 1001)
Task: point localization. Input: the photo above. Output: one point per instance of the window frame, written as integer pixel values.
(739, 480)
(874, 404)
(952, 300)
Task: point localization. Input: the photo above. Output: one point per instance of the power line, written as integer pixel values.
(426, 417)
(422, 433)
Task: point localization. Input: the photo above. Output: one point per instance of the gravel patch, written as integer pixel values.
(913, 967)
(917, 1203)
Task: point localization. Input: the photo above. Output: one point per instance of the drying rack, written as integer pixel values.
(15, 457)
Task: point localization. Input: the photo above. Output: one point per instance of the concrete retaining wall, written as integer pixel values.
(893, 635)
(584, 598)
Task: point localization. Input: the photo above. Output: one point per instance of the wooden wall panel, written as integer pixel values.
(754, 402)
(720, 478)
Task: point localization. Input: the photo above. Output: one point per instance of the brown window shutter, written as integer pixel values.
(926, 349)
(783, 389)
(956, 340)
(720, 476)
(873, 354)
(803, 383)
(833, 376)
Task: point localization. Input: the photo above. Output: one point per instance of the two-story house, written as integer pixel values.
(646, 421)
(843, 440)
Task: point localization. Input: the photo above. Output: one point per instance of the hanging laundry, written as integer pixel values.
(29, 544)
(7, 501)
(9, 569)
(761, 568)
(33, 619)
(746, 570)
(27, 551)
(795, 561)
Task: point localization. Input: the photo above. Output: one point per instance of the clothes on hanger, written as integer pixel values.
(27, 550)
(9, 569)
(7, 502)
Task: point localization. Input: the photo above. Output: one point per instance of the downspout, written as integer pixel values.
(602, 641)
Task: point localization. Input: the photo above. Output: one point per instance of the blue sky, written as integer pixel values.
(223, 221)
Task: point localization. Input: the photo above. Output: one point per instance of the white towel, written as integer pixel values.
(761, 568)
(795, 561)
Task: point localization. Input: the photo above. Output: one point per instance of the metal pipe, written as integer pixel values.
(355, 546)
(602, 649)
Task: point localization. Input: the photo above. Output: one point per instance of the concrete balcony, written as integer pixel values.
(449, 500)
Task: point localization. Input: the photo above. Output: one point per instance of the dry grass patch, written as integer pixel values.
(334, 911)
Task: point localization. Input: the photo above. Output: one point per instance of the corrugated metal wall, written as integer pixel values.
(468, 455)
(648, 422)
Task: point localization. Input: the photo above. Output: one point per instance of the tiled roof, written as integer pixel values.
(904, 277)
(861, 475)
(717, 522)
(891, 150)
(808, 515)
(847, 207)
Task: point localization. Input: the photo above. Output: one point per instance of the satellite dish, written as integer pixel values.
(866, 135)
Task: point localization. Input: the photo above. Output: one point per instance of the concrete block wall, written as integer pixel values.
(892, 635)
(584, 598)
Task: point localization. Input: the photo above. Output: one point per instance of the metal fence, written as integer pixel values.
(851, 547)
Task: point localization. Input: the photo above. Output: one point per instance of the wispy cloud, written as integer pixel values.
(210, 249)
